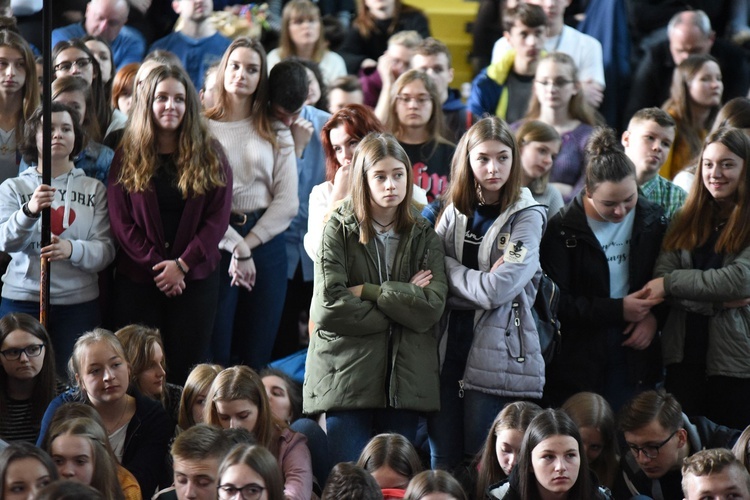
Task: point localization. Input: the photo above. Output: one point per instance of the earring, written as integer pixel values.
(480, 196)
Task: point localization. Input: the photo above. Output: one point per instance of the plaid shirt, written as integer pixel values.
(664, 193)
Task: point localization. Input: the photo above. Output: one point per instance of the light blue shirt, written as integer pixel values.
(311, 171)
(196, 54)
(128, 47)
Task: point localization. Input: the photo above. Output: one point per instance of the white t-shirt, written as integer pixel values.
(585, 50)
(615, 241)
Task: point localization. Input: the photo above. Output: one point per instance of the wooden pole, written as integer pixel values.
(44, 279)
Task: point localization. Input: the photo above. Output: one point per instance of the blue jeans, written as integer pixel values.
(349, 431)
(65, 324)
(247, 321)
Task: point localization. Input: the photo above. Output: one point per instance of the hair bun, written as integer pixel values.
(603, 142)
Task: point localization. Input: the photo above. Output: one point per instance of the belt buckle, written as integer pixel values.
(243, 220)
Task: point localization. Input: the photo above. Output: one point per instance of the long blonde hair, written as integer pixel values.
(199, 165)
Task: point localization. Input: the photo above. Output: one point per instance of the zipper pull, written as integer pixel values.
(461, 389)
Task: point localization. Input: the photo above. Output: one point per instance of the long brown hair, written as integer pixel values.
(681, 107)
(104, 478)
(374, 148)
(546, 424)
(514, 416)
(463, 191)
(306, 10)
(537, 131)
(99, 100)
(588, 409)
(259, 110)
(692, 225)
(199, 166)
(241, 382)
(436, 124)
(577, 107)
(365, 22)
(30, 87)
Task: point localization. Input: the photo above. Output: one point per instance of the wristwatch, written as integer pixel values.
(27, 212)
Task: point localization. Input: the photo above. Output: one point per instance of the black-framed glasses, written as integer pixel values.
(650, 451)
(31, 351)
(68, 65)
(251, 491)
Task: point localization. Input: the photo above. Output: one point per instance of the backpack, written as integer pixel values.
(545, 316)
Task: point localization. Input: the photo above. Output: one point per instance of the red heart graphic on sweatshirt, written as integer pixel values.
(56, 219)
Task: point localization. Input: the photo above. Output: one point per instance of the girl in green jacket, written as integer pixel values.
(380, 287)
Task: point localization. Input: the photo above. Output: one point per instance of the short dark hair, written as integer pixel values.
(288, 85)
(201, 441)
(531, 16)
(654, 114)
(351, 482)
(649, 405)
(432, 47)
(348, 83)
(29, 148)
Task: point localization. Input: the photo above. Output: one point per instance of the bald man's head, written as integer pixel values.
(105, 18)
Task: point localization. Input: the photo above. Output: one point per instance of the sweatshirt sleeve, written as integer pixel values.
(97, 250)
(17, 230)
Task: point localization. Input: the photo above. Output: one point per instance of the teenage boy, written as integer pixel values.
(289, 89)
(585, 50)
(433, 57)
(715, 474)
(647, 142)
(343, 91)
(196, 453)
(197, 43)
(504, 87)
(659, 437)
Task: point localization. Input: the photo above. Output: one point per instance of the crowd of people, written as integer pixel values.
(295, 264)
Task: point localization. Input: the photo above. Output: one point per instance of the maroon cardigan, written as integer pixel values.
(137, 227)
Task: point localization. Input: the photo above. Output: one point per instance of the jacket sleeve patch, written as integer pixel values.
(515, 253)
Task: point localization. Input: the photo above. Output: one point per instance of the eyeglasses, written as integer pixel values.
(251, 491)
(78, 63)
(650, 451)
(557, 82)
(421, 100)
(31, 351)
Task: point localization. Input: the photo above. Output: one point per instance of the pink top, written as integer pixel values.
(296, 465)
